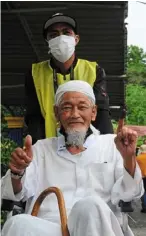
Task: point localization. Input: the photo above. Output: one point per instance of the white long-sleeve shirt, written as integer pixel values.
(97, 171)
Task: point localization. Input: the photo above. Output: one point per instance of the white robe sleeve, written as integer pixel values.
(29, 182)
(126, 187)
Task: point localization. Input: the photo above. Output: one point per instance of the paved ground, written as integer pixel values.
(138, 224)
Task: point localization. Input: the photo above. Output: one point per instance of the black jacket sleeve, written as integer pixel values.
(33, 117)
(99, 88)
(103, 120)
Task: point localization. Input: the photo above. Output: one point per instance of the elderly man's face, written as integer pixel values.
(76, 111)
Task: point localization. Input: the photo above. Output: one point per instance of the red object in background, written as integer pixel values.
(141, 130)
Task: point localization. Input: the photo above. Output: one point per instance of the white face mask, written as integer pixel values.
(62, 47)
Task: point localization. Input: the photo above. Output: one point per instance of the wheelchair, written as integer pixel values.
(19, 207)
(126, 207)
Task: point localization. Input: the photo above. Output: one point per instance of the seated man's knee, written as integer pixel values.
(87, 206)
(22, 220)
(18, 218)
(85, 211)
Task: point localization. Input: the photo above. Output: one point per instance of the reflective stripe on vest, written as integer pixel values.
(43, 80)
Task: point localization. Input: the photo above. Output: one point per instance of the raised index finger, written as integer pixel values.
(28, 146)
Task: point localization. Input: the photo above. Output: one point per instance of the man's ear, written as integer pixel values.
(94, 112)
(77, 39)
(56, 112)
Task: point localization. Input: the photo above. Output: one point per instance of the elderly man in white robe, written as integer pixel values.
(94, 172)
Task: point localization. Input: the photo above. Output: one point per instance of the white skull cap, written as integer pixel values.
(74, 86)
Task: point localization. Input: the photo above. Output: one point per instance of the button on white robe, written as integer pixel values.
(97, 174)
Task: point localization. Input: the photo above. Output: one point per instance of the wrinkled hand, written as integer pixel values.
(126, 141)
(21, 158)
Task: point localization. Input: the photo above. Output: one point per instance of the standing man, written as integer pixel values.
(60, 32)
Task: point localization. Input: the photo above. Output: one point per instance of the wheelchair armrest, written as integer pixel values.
(7, 205)
(126, 206)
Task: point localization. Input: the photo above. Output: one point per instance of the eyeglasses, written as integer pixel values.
(70, 108)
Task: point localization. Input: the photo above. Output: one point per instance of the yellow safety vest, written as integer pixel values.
(43, 79)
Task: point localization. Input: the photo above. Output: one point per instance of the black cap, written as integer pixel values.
(59, 18)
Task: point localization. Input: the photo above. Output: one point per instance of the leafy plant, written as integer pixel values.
(115, 125)
(12, 110)
(136, 104)
(136, 67)
(141, 140)
(7, 147)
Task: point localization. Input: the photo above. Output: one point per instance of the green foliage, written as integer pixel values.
(141, 141)
(136, 55)
(114, 124)
(12, 110)
(136, 68)
(5, 111)
(136, 87)
(7, 147)
(136, 104)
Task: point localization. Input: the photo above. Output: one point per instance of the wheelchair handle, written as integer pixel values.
(61, 205)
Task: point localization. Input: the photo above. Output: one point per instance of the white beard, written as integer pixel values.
(75, 138)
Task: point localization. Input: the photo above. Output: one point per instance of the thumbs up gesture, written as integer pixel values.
(21, 158)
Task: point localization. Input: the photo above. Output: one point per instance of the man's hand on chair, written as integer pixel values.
(21, 158)
(126, 141)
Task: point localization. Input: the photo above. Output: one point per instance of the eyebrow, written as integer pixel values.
(69, 103)
(55, 30)
(65, 103)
